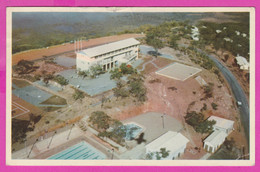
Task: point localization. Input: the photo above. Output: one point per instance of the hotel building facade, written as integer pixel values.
(109, 55)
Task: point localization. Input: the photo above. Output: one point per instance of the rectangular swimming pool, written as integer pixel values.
(80, 151)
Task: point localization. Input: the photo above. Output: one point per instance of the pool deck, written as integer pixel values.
(58, 144)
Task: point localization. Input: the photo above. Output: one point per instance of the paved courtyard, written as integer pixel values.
(65, 61)
(144, 49)
(155, 124)
(178, 71)
(91, 86)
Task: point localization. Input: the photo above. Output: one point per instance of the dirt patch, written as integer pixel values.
(55, 100)
(162, 62)
(18, 114)
(48, 68)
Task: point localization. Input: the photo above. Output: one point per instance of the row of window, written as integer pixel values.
(117, 51)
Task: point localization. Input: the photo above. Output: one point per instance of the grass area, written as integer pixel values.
(55, 100)
(20, 83)
(224, 153)
(50, 108)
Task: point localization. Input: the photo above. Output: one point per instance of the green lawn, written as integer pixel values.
(20, 83)
(55, 100)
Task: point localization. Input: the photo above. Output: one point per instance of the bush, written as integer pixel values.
(83, 73)
(197, 121)
(78, 95)
(100, 119)
(214, 106)
(96, 70)
(61, 80)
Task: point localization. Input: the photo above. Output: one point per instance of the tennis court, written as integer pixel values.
(178, 71)
(18, 110)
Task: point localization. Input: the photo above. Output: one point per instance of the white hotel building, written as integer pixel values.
(108, 55)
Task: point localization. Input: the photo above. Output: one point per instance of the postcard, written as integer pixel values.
(130, 86)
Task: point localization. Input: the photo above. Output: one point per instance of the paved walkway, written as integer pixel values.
(206, 156)
(42, 145)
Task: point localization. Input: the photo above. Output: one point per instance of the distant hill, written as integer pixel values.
(41, 29)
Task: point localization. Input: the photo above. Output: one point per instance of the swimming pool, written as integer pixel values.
(80, 151)
(132, 131)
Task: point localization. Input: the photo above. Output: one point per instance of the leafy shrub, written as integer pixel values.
(214, 106)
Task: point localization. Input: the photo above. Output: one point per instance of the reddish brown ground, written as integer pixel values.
(58, 49)
(48, 68)
(33, 109)
(176, 102)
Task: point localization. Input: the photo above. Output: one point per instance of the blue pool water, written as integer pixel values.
(80, 151)
(132, 131)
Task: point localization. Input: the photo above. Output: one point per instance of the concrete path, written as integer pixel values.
(44, 145)
(206, 156)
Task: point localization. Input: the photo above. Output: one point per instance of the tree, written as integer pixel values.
(100, 119)
(25, 67)
(119, 131)
(149, 156)
(116, 73)
(136, 87)
(164, 152)
(205, 126)
(120, 90)
(61, 80)
(78, 95)
(84, 73)
(173, 41)
(96, 70)
(197, 121)
(153, 39)
(47, 78)
(229, 143)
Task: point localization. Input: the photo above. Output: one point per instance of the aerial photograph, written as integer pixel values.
(130, 86)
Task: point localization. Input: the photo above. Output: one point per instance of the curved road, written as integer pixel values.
(237, 92)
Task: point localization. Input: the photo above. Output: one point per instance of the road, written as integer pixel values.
(238, 92)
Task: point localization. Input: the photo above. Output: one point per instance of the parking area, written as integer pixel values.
(65, 61)
(178, 71)
(90, 86)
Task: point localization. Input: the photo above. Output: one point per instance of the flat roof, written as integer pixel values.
(171, 140)
(103, 49)
(178, 71)
(216, 138)
(221, 122)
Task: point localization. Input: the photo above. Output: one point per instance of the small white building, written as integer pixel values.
(108, 55)
(195, 33)
(214, 141)
(172, 141)
(222, 129)
(242, 62)
(222, 124)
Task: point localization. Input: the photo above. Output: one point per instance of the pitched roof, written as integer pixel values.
(171, 140)
(216, 138)
(102, 49)
(221, 122)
